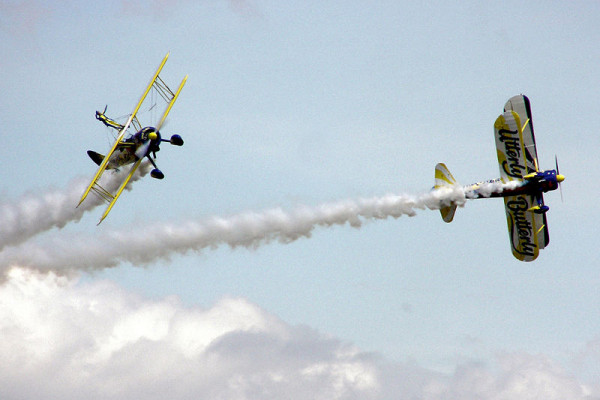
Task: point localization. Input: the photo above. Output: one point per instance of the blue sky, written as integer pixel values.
(304, 103)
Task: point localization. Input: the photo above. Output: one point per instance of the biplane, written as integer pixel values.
(133, 148)
(523, 183)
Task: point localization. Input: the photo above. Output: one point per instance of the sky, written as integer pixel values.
(290, 252)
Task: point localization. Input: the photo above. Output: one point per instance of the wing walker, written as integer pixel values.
(134, 148)
(518, 161)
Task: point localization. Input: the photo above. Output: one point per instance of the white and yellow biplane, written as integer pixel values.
(518, 161)
(137, 146)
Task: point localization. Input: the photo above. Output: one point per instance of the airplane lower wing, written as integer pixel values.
(94, 186)
(113, 198)
(528, 231)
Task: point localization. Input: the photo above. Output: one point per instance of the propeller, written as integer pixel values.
(143, 149)
(559, 177)
(164, 124)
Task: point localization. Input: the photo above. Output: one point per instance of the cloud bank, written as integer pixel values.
(65, 339)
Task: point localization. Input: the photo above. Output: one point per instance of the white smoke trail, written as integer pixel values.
(143, 245)
(251, 229)
(34, 213)
(486, 189)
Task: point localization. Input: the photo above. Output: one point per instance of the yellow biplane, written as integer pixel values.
(518, 162)
(134, 148)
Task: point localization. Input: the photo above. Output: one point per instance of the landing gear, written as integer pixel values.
(157, 173)
(176, 140)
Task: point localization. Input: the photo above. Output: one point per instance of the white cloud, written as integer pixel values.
(515, 376)
(64, 339)
(61, 338)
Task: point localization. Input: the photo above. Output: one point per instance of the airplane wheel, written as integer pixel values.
(157, 174)
(176, 140)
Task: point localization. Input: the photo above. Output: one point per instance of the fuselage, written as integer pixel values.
(127, 152)
(533, 184)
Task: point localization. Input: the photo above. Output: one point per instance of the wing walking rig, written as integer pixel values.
(518, 162)
(134, 148)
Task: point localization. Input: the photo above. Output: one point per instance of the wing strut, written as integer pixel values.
(170, 98)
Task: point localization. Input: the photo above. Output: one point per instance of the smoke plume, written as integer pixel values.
(34, 213)
(250, 229)
(145, 244)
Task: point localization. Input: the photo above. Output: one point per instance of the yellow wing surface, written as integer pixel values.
(520, 104)
(170, 97)
(517, 156)
(510, 146)
(113, 198)
(527, 230)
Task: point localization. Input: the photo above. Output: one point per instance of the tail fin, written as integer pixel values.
(443, 178)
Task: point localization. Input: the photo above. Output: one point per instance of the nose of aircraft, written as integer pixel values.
(560, 178)
(154, 136)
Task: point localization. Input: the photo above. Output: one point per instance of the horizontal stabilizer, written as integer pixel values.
(96, 157)
(448, 213)
(443, 178)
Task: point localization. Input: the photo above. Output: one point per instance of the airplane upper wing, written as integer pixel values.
(510, 146)
(520, 104)
(527, 230)
(169, 97)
